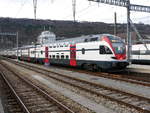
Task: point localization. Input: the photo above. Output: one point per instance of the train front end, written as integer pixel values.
(119, 59)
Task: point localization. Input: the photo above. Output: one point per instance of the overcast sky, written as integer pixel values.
(62, 10)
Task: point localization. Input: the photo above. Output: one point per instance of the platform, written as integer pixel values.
(139, 68)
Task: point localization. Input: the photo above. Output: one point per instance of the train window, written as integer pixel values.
(32, 52)
(86, 40)
(57, 56)
(53, 56)
(50, 46)
(41, 52)
(67, 57)
(50, 56)
(94, 39)
(108, 51)
(83, 51)
(66, 45)
(104, 50)
(62, 56)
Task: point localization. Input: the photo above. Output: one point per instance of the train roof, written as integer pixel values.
(88, 38)
(81, 39)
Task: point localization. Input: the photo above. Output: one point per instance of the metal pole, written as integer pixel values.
(128, 33)
(74, 9)
(35, 6)
(115, 24)
(17, 44)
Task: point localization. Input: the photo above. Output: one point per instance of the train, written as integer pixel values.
(96, 52)
(141, 53)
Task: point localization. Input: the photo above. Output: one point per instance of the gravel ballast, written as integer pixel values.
(100, 80)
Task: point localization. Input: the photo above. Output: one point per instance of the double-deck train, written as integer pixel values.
(96, 52)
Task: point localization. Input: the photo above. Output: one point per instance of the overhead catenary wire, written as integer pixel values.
(80, 11)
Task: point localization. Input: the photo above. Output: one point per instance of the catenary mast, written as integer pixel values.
(35, 6)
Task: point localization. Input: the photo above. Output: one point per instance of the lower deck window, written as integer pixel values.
(53, 56)
(62, 56)
(67, 57)
(57, 56)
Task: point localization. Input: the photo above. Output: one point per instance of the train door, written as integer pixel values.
(73, 61)
(46, 56)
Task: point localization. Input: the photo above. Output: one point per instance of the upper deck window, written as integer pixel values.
(94, 39)
(86, 40)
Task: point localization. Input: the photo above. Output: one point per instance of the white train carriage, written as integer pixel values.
(10, 53)
(59, 53)
(33, 53)
(95, 52)
(100, 52)
(141, 53)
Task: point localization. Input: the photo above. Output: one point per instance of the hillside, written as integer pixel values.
(29, 29)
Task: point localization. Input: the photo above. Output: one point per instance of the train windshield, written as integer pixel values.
(117, 44)
(115, 39)
(119, 48)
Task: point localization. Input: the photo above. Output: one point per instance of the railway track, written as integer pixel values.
(31, 98)
(10, 104)
(121, 77)
(125, 76)
(139, 103)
